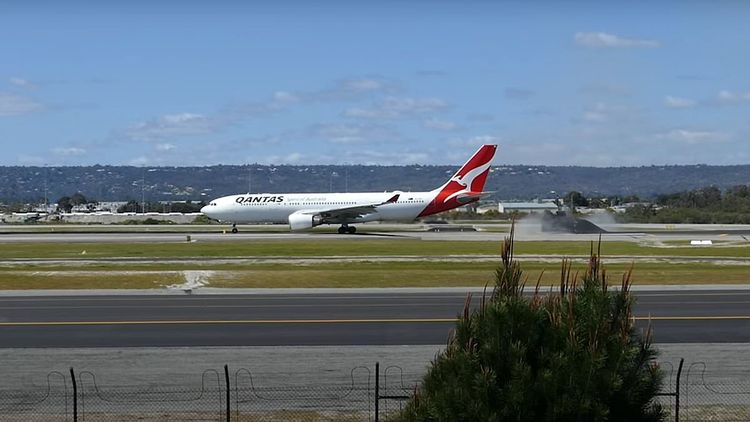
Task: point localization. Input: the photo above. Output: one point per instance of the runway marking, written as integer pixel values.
(677, 294)
(695, 318)
(274, 306)
(332, 297)
(231, 321)
(325, 321)
(699, 302)
(311, 305)
(250, 297)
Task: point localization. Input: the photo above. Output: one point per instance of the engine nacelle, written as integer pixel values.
(300, 221)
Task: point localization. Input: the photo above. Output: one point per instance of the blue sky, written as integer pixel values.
(386, 82)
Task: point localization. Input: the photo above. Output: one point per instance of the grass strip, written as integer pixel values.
(368, 274)
(344, 247)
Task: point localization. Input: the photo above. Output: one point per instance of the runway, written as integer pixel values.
(736, 235)
(420, 318)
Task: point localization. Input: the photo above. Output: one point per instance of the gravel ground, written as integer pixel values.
(298, 366)
(293, 383)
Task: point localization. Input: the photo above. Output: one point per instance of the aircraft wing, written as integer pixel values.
(336, 215)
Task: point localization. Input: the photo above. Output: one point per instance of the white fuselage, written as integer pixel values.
(276, 208)
(306, 210)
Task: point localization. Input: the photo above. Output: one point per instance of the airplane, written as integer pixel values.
(304, 211)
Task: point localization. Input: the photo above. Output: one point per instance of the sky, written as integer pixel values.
(168, 83)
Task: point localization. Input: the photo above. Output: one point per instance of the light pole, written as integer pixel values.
(143, 190)
(46, 198)
(330, 186)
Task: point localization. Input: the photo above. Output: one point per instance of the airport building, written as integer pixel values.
(527, 207)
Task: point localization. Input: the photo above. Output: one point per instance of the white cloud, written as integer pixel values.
(603, 112)
(600, 89)
(337, 133)
(395, 107)
(722, 98)
(294, 157)
(139, 161)
(678, 102)
(177, 119)
(14, 105)
(530, 152)
(594, 116)
(597, 114)
(344, 90)
(605, 40)
(145, 161)
(24, 83)
(439, 125)
(475, 141)
(69, 151)
(692, 137)
(341, 134)
(30, 160)
(379, 157)
(172, 125)
(514, 93)
(481, 117)
(165, 147)
(726, 97)
(362, 85)
(291, 158)
(285, 97)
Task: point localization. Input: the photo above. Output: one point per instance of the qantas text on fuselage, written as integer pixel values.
(306, 210)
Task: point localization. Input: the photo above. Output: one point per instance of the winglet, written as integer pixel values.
(393, 199)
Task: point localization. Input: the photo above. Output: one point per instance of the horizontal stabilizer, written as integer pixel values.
(471, 196)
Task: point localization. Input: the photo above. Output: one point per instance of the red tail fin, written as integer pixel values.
(464, 186)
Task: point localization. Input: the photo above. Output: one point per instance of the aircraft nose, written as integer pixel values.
(204, 210)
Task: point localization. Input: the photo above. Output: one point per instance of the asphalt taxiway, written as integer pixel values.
(319, 319)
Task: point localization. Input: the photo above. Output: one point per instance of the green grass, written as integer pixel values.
(365, 274)
(343, 247)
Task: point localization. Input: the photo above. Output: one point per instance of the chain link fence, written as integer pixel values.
(363, 394)
(714, 396)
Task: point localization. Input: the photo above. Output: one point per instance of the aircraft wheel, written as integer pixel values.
(234, 230)
(351, 229)
(342, 230)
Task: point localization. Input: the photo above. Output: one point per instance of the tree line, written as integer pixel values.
(708, 205)
(67, 203)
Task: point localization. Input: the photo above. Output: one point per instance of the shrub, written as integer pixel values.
(571, 356)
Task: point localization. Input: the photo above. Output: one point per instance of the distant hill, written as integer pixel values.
(111, 183)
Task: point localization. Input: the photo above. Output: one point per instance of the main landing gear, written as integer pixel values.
(345, 228)
(234, 228)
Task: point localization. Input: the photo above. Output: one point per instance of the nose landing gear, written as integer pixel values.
(234, 228)
(345, 228)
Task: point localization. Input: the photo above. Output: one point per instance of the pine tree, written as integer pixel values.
(570, 356)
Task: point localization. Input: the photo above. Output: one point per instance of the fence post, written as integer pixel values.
(226, 378)
(377, 391)
(677, 393)
(75, 395)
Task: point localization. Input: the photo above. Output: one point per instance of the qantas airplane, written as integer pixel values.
(307, 210)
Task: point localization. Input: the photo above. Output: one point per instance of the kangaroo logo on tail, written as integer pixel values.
(466, 185)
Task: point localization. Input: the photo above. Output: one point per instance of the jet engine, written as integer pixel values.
(300, 221)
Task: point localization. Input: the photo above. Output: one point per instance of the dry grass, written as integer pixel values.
(366, 274)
